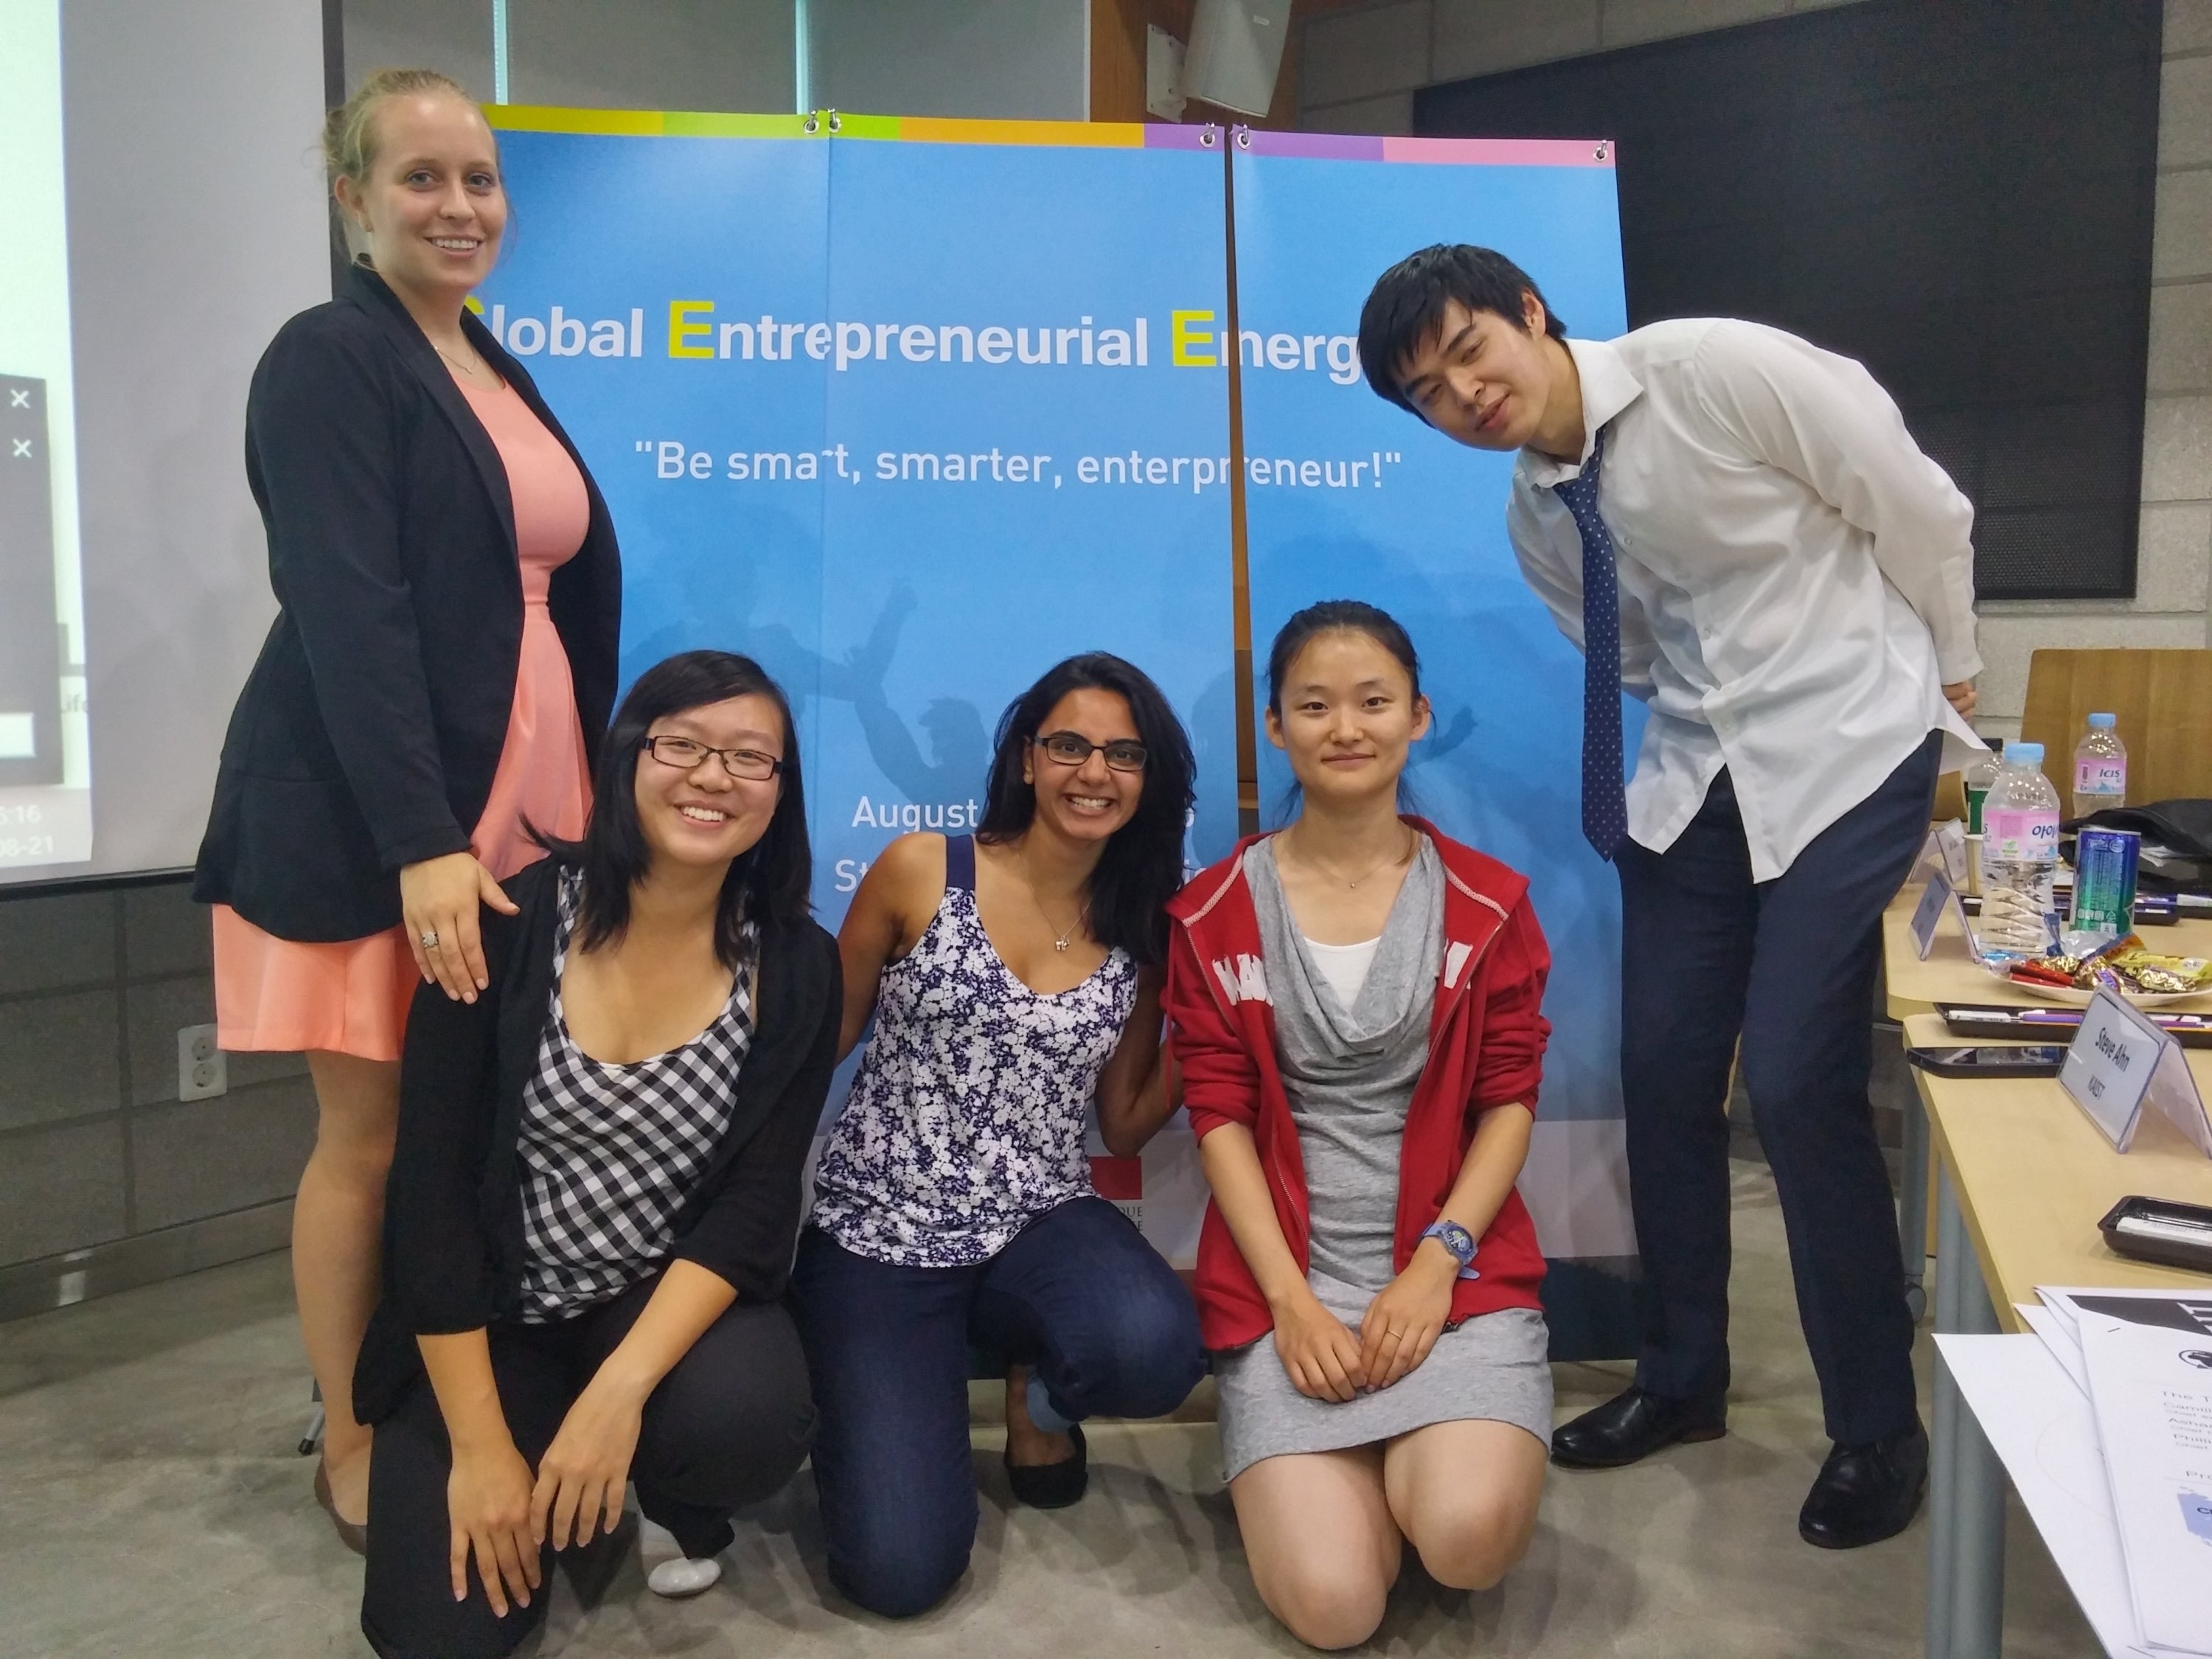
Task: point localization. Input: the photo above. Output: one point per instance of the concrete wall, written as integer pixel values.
(1362, 65)
(996, 59)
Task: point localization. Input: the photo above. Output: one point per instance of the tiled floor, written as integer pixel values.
(150, 1505)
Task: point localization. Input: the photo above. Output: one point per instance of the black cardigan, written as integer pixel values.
(453, 1213)
(367, 734)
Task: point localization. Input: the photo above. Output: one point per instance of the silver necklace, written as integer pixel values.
(1398, 857)
(1060, 940)
(479, 366)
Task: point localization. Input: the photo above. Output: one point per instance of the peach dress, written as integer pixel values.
(352, 996)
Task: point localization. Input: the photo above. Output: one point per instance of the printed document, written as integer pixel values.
(2150, 1388)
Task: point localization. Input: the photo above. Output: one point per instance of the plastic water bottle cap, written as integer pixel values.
(2102, 722)
(2024, 754)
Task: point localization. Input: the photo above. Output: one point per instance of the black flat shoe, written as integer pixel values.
(1866, 1493)
(1633, 1425)
(592, 1567)
(1053, 1486)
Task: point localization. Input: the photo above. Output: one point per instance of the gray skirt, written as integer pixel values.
(1493, 1367)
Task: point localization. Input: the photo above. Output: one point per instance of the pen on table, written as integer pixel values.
(2068, 1017)
(2166, 1226)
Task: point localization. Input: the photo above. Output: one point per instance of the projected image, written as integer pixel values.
(44, 768)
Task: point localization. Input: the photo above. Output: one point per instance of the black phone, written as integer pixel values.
(2029, 1059)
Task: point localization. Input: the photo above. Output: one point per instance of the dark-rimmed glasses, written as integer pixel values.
(1072, 749)
(686, 754)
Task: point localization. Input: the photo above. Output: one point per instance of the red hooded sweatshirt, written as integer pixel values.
(1486, 1042)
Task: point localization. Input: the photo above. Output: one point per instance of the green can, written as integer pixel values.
(2105, 880)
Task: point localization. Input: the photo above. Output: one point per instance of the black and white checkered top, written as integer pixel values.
(611, 1152)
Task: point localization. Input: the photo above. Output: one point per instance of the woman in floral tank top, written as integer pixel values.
(1013, 977)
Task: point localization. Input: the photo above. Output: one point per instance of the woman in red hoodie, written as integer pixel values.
(1356, 1005)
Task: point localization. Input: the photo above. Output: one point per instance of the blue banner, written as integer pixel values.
(1350, 497)
(911, 414)
(901, 420)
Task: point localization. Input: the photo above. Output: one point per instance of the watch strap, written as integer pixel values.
(1459, 1241)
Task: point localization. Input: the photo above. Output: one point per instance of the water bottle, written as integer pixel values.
(2020, 857)
(2100, 767)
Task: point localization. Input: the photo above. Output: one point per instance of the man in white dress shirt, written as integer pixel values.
(1789, 583)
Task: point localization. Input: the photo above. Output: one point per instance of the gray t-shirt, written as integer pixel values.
(1350, 1073)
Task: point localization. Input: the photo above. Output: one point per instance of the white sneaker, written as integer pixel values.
(683, 1576)
(669, 1572)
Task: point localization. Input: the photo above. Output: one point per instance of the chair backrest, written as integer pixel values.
(2163, 700)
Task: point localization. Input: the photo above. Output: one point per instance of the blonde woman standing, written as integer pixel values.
(438, 675)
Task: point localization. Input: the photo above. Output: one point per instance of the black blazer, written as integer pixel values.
(452, 1212)
(369, 729)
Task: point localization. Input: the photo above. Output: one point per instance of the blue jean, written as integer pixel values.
(1789, 965)
(1078, 1294)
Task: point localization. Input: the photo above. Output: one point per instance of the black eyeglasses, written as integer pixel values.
(1072, 749)
(686, 754)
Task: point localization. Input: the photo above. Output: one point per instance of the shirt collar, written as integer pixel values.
(1607, 387)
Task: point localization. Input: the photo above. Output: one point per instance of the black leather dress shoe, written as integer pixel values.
(1866, 1493)
(1633, 1425)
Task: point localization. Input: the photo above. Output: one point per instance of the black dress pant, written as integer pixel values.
(728, 1427)
(1708, 954)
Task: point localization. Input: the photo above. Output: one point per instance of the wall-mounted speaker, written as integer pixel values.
(1235, 53)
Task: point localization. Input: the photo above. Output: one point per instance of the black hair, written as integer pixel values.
(1141, 868)
(1338, 616)
(768, 883)
(1331, 617)
(1407, 306)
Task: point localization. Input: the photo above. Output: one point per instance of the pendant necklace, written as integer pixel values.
(1398, 857)
(480, 366)
(1060, 940)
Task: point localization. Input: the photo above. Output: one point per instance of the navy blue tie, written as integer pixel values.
(1605, 801)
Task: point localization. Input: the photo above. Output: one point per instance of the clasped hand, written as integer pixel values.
(1326, 1361)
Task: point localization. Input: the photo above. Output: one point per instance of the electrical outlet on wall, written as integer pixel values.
(203, 1070)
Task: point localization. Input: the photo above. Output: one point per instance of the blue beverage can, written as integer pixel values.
(2105, 880)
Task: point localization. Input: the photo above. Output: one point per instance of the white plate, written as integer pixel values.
(2071, 997)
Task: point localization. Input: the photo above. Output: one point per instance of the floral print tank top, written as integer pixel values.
(968, 1115)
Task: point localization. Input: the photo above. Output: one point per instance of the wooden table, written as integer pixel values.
(2023, 1178)
(1951, 974)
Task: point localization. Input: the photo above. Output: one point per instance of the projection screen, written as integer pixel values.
(163, 203)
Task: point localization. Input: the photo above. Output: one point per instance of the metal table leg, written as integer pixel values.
(1912, 1203)
(1965, 1555)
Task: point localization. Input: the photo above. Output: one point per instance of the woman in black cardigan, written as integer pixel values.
(438, 675)
(598, 1185)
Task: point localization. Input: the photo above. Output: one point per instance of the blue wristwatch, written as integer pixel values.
(1459, 1241)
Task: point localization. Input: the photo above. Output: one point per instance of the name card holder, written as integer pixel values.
(1939, 892)
(1944, 849)
(2119, 1062)
(1950, 838)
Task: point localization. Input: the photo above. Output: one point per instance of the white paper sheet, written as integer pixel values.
(2059, 1337)
(2150, 1387)
(2040, 1426)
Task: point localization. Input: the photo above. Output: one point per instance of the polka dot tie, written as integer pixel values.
(1605, 801)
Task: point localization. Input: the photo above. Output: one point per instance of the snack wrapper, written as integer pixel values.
(2123, 966)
